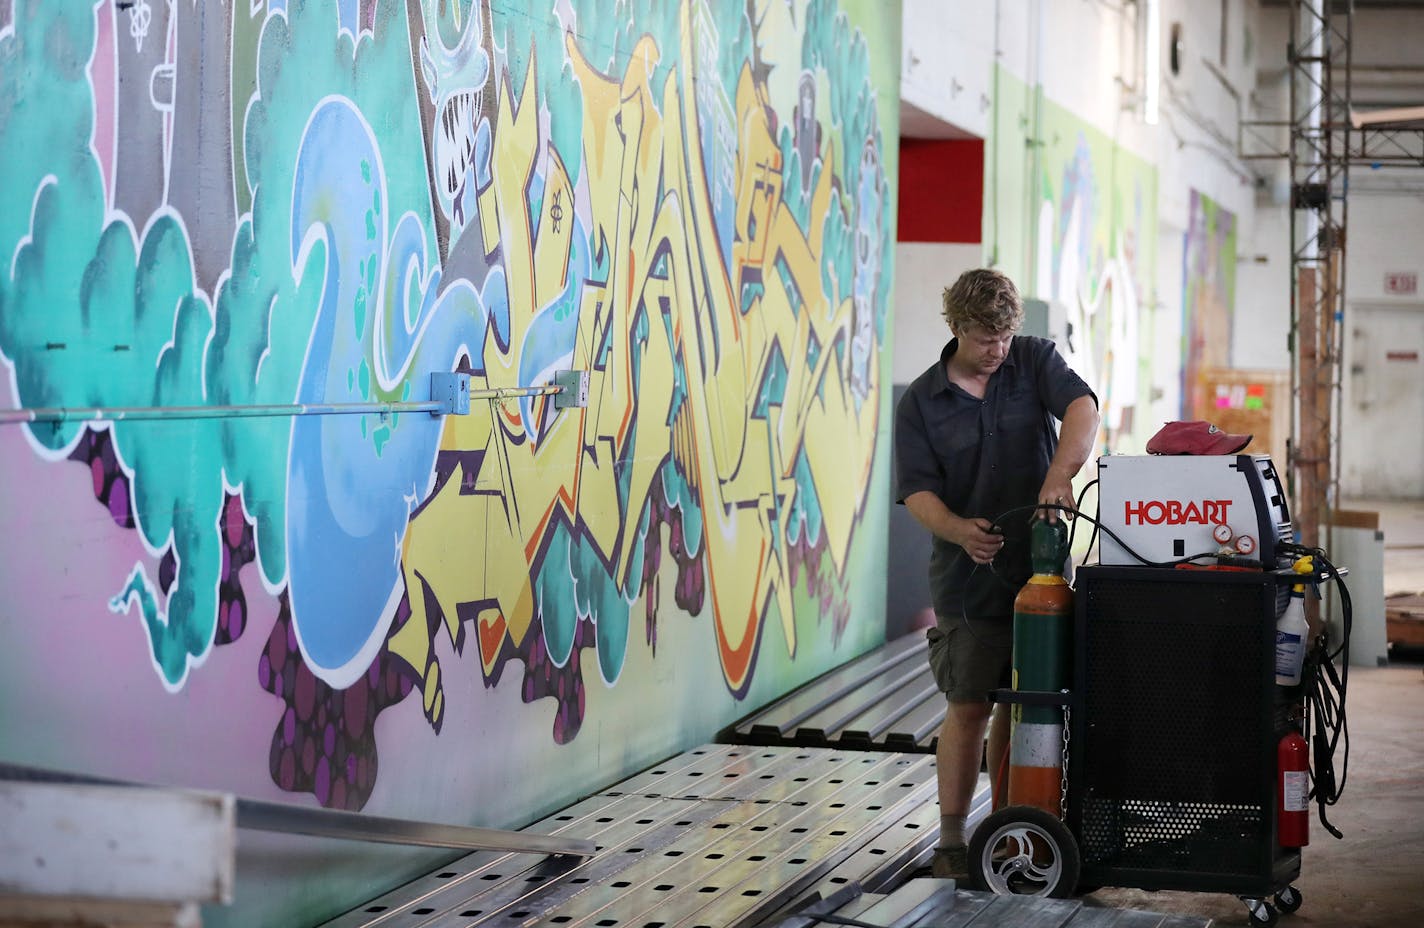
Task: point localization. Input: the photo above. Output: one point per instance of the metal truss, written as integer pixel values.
(1319, 156)
(1321, 140)
(1386, 146)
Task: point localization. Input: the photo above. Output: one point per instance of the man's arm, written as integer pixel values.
(972, 535)
(1075, 444)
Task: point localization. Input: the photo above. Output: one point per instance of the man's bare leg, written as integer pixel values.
(957, 760)
(959, 754)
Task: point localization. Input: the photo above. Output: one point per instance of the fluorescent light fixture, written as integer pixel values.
(1152, 66)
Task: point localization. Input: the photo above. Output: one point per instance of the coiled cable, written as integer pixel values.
(1324, 725)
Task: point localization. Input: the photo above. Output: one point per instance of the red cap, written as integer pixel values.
(1195, 437)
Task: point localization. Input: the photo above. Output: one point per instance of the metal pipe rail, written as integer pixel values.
(286, 818)
(61, 414)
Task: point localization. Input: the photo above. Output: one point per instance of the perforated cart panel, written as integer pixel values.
(1173, 747)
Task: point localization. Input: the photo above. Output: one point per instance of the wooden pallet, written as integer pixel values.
(1404, 619)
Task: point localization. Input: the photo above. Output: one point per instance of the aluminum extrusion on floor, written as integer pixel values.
(884, 700)
(289, 818)
(730, 836)
(716, 837)
(941, 904)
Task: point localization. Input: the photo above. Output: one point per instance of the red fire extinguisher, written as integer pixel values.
(1293, 791)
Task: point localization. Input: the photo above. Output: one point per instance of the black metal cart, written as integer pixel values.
(1171, 732)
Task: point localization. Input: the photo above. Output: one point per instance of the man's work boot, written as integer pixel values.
(950, 863)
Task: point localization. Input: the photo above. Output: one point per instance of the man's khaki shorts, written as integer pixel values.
(971, 658)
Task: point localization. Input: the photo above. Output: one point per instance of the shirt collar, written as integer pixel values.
(941, 383)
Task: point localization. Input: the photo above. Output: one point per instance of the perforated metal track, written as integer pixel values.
(1174, 735)
(715, 837)
(885, 700)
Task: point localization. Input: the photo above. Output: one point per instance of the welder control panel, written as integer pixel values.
(1169, 507)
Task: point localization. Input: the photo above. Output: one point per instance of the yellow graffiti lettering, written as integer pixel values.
(730, 324)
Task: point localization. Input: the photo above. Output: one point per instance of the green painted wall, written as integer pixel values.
(1071, 215)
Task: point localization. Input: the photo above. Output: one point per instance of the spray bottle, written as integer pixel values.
(1292, 630)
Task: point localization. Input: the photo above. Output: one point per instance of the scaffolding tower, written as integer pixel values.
(1319, 154)
(1322, 138)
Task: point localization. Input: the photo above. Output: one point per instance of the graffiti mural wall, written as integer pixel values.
(256, 205)
(1075, 213)
(1209, 300)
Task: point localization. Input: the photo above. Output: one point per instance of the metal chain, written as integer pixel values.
(1063, 781)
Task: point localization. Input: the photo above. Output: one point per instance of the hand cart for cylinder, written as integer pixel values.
(1170, 744)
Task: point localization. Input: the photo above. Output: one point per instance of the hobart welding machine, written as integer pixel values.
(1164, 508)
(1185, 756)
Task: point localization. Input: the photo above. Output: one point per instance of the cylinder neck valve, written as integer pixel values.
(1048, 546)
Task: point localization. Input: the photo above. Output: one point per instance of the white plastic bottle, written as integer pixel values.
(1292, 631)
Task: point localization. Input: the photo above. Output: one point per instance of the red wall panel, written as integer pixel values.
(941, 190)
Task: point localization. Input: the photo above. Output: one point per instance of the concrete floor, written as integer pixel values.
(1374, 876)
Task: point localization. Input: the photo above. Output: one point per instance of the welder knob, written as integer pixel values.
(1222, 534)
(1246, 545)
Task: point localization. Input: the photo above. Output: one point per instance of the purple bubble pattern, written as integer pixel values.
(689, 591)
(95, 450)
(325, 742)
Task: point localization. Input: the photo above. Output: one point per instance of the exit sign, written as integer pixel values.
(1401, 283)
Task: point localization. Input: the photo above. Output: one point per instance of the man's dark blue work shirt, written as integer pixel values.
(983, 457)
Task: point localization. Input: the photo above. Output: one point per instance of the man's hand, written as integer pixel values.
(975, 536)
(978, 539)
(1075, 443)
(1055, 492)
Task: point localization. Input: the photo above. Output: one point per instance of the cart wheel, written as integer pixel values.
(1262, 913)
(1024, 851)
(1288, 900)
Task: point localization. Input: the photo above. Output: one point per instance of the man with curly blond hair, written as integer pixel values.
(975, 436)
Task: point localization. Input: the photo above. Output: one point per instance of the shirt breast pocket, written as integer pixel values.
(1020, 410)
(955, 439)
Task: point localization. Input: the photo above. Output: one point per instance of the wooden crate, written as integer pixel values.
(1247, 402)
(1404, 619)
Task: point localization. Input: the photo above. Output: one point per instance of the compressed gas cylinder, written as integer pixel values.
(1043, 618)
